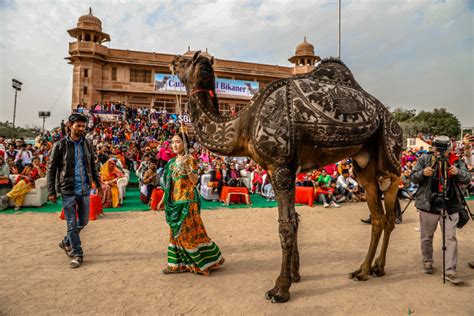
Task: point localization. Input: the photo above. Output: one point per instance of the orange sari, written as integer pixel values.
(109, 175)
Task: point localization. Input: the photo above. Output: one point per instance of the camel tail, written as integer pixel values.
(391, 135)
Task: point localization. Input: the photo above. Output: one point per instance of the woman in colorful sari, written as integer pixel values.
(189, 248)
(109, 175)
(26, 182)
(5, 183)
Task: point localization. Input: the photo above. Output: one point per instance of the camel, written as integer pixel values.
(161, 84)
(251, 90)
(304, 122)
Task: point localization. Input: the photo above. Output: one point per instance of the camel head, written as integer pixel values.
(195, 73)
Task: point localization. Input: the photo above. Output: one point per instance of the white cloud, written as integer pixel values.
(417, 54)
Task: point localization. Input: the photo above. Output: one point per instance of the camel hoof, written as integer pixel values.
(377, 271)
(295, 277)
(270, 294)
(281, 298)
(358, 276)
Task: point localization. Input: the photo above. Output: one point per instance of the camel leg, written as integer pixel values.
(390, 196)
(284, 186)
(295, 256)
(367, 178)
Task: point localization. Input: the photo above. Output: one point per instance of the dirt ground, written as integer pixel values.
(125, 253)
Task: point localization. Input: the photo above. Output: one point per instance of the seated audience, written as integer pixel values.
(5, 182)
(268, 191)
(109, 176)
(325, 195)
(218, 176)
(233, 178)
(25, 182)
(347, 185)
(13, 167)
(257, 181)
(324, 176)
(150, 181)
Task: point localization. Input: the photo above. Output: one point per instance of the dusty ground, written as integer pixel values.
(126, 251)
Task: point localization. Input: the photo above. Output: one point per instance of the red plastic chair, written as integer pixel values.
(95, 208)
(156, 197)
(304, 195)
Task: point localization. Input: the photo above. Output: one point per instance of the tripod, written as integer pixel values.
(443, 165)
(411, 199)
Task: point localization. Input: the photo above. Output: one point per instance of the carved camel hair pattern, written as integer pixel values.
(305, 121)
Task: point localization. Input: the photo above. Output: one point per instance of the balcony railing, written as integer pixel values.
(87, 47)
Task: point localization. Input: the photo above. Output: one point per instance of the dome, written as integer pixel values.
(89, 29)
(304, 58)
(304, 48)
(89, 21)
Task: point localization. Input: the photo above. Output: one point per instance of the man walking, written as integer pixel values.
(72, 170)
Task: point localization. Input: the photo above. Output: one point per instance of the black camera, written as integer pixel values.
(442, 144)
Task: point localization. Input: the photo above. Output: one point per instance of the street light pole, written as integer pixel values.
(44, 115)
(14, 109)
(17, 86)
(339, 30)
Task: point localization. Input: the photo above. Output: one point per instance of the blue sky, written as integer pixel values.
(411, 54)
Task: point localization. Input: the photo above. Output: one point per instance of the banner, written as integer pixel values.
(171, 116)
(108, 117)
(178, 118)
(236, 87)
(166, 82)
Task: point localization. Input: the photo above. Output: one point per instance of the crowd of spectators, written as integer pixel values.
(138, 140)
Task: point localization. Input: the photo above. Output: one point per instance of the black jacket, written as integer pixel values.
(61, 166)
(424, 194)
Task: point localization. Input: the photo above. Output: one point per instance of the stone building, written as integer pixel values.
(138, 79)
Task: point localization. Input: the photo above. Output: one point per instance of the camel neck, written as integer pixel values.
(217, 133)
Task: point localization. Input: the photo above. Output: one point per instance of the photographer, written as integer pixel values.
(23, 157)
(429, 175)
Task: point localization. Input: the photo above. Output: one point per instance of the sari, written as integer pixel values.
(111, 192)
(189, 248)
(24, 184)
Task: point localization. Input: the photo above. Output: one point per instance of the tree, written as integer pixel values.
(437, 122)
(7, 130)
(402, 115)
(411, 128)
(440, 122)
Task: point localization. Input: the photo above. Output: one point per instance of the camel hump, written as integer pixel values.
(333, 60)
(333, 70)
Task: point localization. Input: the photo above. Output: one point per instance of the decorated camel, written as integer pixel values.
(304, 122)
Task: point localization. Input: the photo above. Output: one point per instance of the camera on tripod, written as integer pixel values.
(442, 144)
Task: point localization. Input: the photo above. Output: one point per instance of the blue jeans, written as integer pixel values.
(325, 198)
(71, 202)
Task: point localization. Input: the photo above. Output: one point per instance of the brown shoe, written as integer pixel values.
(76, 262)
(170, 271)
(67, 249)
(428, 267)
(471, 264)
